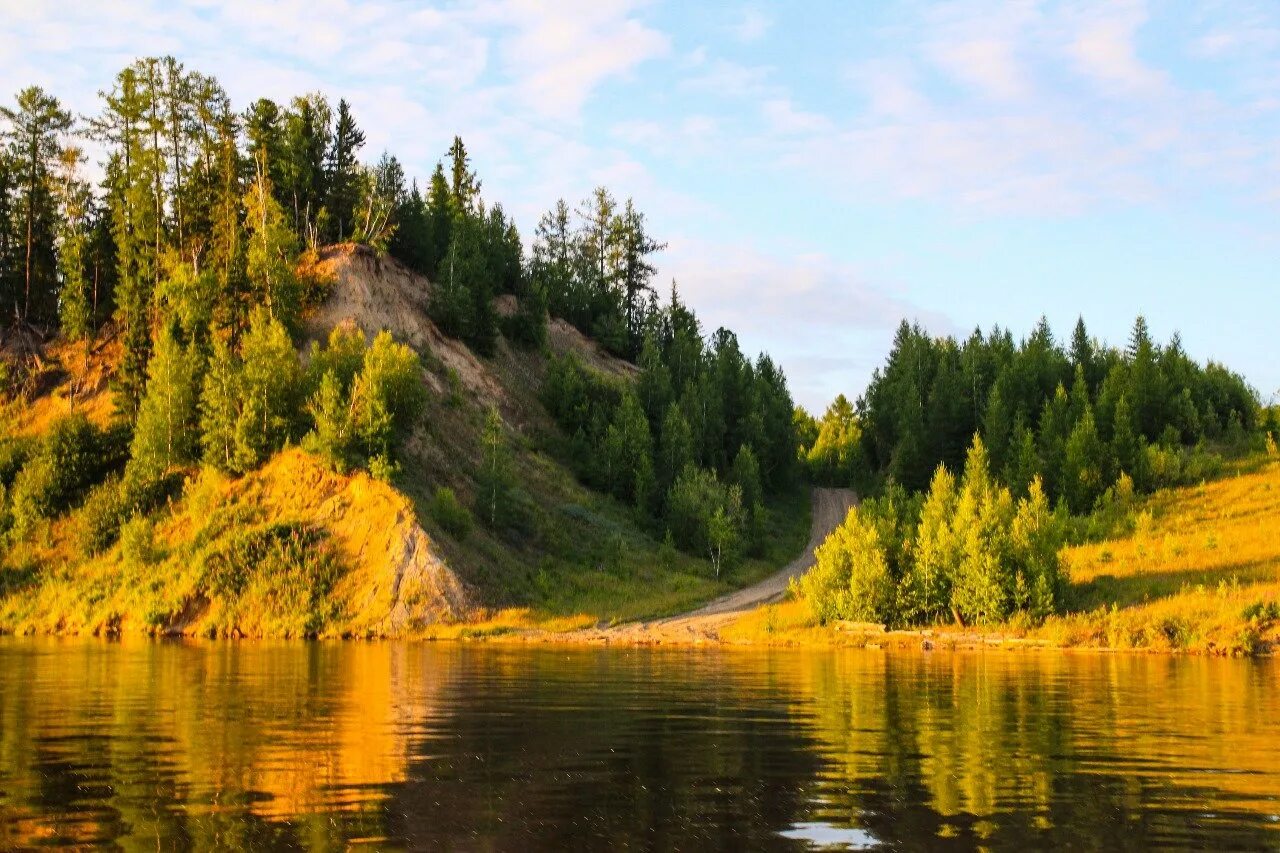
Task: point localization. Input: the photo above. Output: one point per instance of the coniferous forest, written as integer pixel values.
(190, 257)
(985, 456)
(189, 252)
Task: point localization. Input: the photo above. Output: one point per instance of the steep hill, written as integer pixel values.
(567, 551)
(295, 548)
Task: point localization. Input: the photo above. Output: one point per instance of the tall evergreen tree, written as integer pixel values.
(464, 188)
(36, 123)
(342, 172)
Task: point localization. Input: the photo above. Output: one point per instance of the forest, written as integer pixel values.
(983, 457)
(187, 256)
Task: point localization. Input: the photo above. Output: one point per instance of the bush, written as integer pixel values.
(450, 514)
(970, 550)
(70, 457)
(113, 502)
(276, 577)
(14, 453)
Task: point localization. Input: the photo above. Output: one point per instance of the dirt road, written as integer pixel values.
(830, 506)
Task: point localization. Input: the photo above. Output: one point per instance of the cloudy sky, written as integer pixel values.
(820, 170)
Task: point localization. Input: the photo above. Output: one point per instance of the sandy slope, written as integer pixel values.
(830, 506)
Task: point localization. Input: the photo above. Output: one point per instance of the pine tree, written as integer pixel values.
(342, 172)
(628, 454)
(165, 433)
(1083, 355)
(1085, 465)
(135, 196)
(220, 407)
(330, 411)
(635, 272)
(464, 189)
(1126, 447)
(675, 447)
(439, 223)
(1055, 429)
(75, 207)
(1024, 464)
(36, 124)
(304, 179)
(925, 592)
(552, 265)
(270, 389)
(745, 476)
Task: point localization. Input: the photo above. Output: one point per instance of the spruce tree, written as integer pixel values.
(1086, 465)
(464, 189)
(36, 123)
(165, 433)
(75, 208)
(342, 172)
(220, 406)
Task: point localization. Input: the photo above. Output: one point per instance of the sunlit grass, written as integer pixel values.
(1199, 573)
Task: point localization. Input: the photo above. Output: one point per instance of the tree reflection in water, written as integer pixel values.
(325, 745)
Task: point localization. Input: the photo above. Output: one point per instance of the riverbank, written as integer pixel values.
(1198, 573)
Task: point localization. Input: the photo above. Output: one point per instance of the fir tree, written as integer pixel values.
(36, 122)
(165, 433)
(342, 172)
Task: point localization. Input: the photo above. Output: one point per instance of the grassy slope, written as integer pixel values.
(575, 557)
(1200, 573)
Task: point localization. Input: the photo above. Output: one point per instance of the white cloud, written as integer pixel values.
(807, 310)
(561, 52)
(752, 26)
(1104, 49)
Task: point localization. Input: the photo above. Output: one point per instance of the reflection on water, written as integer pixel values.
(326, 746)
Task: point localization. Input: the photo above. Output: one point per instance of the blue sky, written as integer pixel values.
(820, 170)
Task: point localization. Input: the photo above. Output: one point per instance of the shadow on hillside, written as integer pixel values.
(14, 581)
(1139, 588)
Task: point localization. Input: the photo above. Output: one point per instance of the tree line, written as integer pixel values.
(982, 451)
(696, 443)
(1076, 416)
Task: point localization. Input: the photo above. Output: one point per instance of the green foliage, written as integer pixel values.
(705, 516)
(834, 455)
(933, 394)
(705, 403)
(970, 550)
(495, 479)
(165, 434)
(330, 411)
(269, 387)
(448, 512)
(272, 252)
(285, 571)
(70, 457)
(851, 578)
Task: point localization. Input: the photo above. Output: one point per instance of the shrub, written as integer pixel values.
(276, 577)
(969, 550)
(450, 514)
(70, 457)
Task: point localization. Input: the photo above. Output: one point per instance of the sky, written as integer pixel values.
(819, 170)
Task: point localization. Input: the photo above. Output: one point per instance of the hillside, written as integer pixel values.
(569, 551)
(296, 548)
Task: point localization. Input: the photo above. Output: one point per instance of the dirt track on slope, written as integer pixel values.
(830, 506)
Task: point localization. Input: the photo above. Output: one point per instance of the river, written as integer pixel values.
(167, 745)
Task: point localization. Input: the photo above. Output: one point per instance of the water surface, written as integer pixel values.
(467, 747)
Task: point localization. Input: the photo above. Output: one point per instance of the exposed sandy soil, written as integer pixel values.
(830, 506)
(377, 293)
